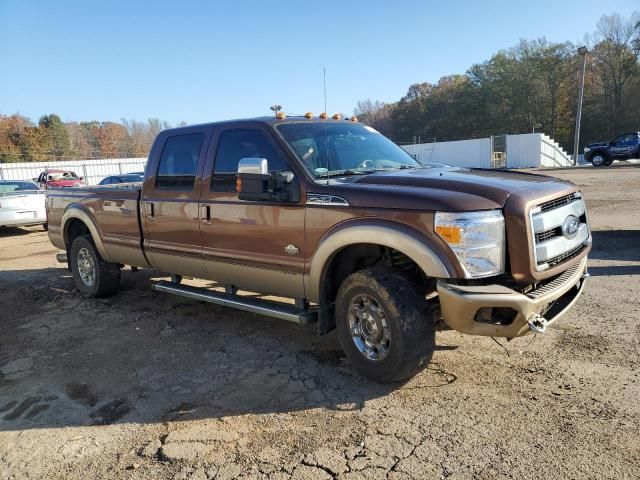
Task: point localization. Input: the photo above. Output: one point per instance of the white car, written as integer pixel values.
(22, 203)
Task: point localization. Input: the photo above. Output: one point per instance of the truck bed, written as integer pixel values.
(113, 212)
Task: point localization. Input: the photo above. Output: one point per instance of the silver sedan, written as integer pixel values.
(22, 203)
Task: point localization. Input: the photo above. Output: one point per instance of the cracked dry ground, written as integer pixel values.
(145, 385)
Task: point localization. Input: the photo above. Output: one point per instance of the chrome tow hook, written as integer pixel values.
(537, 323)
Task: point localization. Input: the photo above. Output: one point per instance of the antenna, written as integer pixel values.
(324, 87)
(326, 126)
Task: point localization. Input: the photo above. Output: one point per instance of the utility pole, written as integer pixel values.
(576, 144)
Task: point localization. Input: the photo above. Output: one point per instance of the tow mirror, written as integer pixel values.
(255, 183)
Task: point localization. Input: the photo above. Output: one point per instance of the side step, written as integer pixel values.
(254, 305)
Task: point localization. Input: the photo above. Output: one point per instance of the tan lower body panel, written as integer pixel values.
(460, 304)
(255, 279)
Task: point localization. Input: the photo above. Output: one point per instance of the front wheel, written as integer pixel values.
(598, 160)
(91, 274)
(385, 325)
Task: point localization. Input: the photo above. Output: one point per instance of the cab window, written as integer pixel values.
(237, 144)
(179, 161)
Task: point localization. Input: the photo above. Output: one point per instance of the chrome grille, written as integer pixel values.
(548, 234)
(557, 236)
(558, 202)
(566, 255)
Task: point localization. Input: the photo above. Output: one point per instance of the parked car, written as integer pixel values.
(22, 203)
(59, 178)
(623, 147)
(126, 178)
(336, 217)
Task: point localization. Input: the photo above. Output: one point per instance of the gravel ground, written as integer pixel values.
(146, 385)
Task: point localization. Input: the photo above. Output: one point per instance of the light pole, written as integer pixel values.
(576, 143)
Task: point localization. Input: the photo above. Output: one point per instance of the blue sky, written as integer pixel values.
(212, 60)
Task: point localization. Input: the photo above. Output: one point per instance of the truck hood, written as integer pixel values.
(65, 183)
(452, 189)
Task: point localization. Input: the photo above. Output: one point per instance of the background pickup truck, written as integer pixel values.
(623, 147)
(333, 216)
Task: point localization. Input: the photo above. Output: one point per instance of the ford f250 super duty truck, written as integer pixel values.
(349, 228)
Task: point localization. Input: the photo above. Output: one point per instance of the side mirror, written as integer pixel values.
(255, 183)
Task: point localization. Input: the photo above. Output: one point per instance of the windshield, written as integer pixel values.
(58, 176)
(343, 148)
(17, 187)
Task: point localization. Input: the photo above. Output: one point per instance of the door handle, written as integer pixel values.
(205, 214)
(149, 209)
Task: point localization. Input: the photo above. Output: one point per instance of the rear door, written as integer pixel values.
(170, 197)
(255, 245)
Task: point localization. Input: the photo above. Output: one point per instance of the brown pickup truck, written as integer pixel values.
(349, 228)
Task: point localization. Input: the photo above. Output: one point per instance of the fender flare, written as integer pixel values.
(78, 212)
(398, 238)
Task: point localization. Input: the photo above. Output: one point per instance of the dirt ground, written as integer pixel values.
(147, 385)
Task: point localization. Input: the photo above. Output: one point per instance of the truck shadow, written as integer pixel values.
(147, 357)
(616, 245)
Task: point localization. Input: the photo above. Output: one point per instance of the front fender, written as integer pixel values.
(388, 236)
(75, 211)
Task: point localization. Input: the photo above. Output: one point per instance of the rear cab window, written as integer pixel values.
(179, 161)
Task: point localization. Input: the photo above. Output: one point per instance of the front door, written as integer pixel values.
(170, 203)
(253, 245)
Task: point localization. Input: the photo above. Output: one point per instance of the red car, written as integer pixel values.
(59, 178)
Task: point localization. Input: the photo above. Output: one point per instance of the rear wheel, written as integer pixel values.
(92, 275)
(598, 160)
(385, 325)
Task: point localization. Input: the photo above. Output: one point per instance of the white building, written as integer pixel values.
(511, 151)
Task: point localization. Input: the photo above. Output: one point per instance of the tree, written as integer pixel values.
(53, 137)
(614, 63)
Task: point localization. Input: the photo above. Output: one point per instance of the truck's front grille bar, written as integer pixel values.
(560, 230)
(558, 202)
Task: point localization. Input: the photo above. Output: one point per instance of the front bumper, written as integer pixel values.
(533, 311)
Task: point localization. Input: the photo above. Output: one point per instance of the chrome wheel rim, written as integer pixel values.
(598, 160)
(369, 327)
(86, 267)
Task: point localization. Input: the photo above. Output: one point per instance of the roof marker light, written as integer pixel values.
(308, 115)
(323, 115)
(281, 115)
(354, 119)
(336, 116)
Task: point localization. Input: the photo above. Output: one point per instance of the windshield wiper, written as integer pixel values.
(345, 173)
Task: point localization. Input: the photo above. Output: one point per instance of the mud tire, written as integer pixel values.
(410, 318)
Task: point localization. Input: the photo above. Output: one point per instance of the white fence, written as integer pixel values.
(523, 151)
(461, 153)
(91, 170)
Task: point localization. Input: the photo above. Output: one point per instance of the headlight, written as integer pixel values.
(477, 239)
(586, 149)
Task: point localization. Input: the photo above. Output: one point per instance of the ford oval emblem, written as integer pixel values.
(570, 226)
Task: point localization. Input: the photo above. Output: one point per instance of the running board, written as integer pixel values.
(253, 305)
